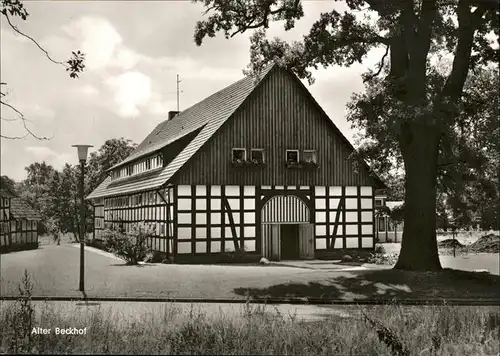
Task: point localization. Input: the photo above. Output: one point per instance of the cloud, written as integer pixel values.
(89, 90)
(98, 40)
(41, 152)
(131, 89)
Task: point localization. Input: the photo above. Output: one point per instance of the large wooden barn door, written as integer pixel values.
(271, 242)
(306, 241)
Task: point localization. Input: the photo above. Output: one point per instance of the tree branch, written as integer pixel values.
(24, 121)
(14, 27)
(468, 23)
(381, 65)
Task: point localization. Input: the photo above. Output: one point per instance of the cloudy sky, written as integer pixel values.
(134, 50)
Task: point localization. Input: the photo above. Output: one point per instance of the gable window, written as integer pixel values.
(292, 156)
(257, 155)
(239, 155)
(310, 156)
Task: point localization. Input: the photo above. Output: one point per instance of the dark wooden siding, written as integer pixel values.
(278, 115)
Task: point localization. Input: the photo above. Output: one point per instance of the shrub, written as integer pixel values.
(132, 246)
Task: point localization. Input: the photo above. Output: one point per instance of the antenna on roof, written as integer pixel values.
(178, 81)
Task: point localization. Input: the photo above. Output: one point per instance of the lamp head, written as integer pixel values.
(82, 151)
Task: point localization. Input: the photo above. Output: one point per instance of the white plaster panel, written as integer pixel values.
(338, 244)
(334, 203)
(201, 204)
(366, 229)
(229, 247)
(279, 187)
(215, 204)
(249, 218)
(367, 242)
(320, 230)
(249, 231)
(304, 187)
(201, 190)
(215, 246)
(184, 232)
(249, 190)
(351, 203)
(201, 247)
(351, 216)
(366, 216)
(249, 246)
(184, 190)
(333, 216)
(351, 242)
(335, 191)
(215, 190)
(351, 190)
(366, 191)
(215, 218)
(232, 190)
(184, 218)
(229, 233)
(320, 191)
(215, 232)
(201, 218)
(320, 217)
(249, 204)
(320, 203)
(236, 218)
(351, 230)
(184, 204)
(366, 203)
(184, 247)
(320, 244)
(234, 204)
(339, 230)
(201, 232)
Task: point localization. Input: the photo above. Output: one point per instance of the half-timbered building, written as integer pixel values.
(257, 166)
(18, 221)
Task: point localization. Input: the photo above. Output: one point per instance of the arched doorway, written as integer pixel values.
(287, 232)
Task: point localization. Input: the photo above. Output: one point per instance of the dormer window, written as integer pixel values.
(309, 156)
(239, 155)
(257, 155)
(130, 170)
(148, 164)
(292, 156)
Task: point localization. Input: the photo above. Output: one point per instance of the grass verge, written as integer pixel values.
(385, 330)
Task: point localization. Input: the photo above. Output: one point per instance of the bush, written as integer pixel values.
(132, 246)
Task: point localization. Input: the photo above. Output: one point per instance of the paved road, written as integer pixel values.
(54, 271)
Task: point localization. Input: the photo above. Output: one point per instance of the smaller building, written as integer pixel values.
(386, 229)
(18, 222)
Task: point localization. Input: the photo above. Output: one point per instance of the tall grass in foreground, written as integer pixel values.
(387, 330)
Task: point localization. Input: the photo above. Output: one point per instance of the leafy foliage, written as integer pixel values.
(56, 195)
(131, 246)
(411, 109)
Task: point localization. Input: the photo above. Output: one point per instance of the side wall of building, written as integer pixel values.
(5, 236)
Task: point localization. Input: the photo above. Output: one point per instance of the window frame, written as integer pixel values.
(315, 156)
(261, 150)
(238, 149)
(292, 150)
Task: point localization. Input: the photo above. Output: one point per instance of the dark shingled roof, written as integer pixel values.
(208, 115)
(21, 210)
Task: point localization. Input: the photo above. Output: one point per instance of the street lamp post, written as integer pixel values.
(82, 157)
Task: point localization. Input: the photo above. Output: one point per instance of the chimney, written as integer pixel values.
(171, 114)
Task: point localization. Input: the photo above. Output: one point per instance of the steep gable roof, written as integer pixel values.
(21, 210)
(209, 114)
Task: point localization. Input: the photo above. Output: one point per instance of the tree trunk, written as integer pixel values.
(419, 146)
